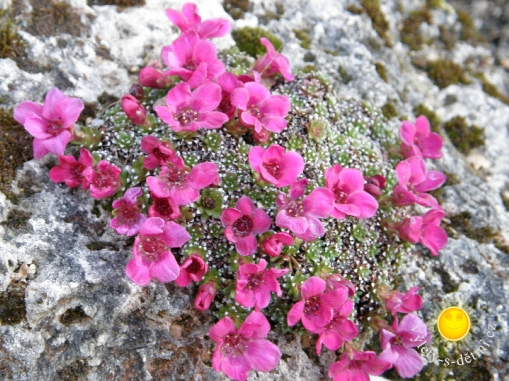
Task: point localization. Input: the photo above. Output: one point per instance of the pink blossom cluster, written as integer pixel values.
(208, 97)
(414, 180)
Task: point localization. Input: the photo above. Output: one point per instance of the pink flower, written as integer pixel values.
(349, 195)
(133, 109)
(335, 281)
(273, 62)
(413, 180)
(316, 305)
(102, 179)
(152, 254)
(189, 20)
(357, 366)
(164, 208)
(186, 111)
(240, 350)
(192, 59)
(50, 124)
(206, 294)
(243, 223)
(273, 245)
(159, 152)
(254, 284)
(228, 83)
(260, 109)
(128, 218)
(426, 230)
(338, 330)
(70, 170)
(398, 343)
(417, 140)
(192, 270)
(275, 166)
(374, 184)
(301, 217)
(396, 301)
(182, 184)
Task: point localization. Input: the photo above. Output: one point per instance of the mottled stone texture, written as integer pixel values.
(79, 318)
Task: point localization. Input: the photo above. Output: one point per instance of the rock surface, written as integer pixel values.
(79, 318)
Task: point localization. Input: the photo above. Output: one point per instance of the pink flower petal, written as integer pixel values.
(365, 202)
(256, 157)
(26, 109)
(256, 326)
(246, 245)
(202, 175)
(237, 368)
(262, 355)
(245, 205)
(206, 98)
(39, 149)
(298, 225)
(257, 93)
(298, 188)
(295, 313)
(330, 339)
(138, 274)
(274, 124)
(319, 202)
(434, 180)
(178, 97)
(230, 215)
(213, 119)
(312, 286)
(422, 128)
(434, 238)
(57, 144)
(166, 268)
(223, 327)
(239, 98)
(174, 235)
(261, 221)
(351, 180)
(50, 101)
(69, 110)
(407, 132)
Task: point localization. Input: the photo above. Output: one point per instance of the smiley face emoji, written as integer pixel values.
(453, 323)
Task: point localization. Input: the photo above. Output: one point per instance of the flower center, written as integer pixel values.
(186, 116)
(411, 188)
(163, 207)
(128, 213)
(339, 195)
(233, 345)
(175, 175)
(76, 171)
(160, 155)
(104, 179)
(242, 227)
(190, 65)
(54, 127)
(209, 202)
(272, 167)
(151, 247)
(255, 280)
(225, 104)
(355, 364)
(254, 111)
(312, 305)
(295, 209)
(194, 267)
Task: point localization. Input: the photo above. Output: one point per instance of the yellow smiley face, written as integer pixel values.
(453, 323)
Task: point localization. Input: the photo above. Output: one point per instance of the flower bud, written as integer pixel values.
(136, 91)
(151, 77)
(134, 110)
(273, 245)
(206, 294)
(374, 184)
